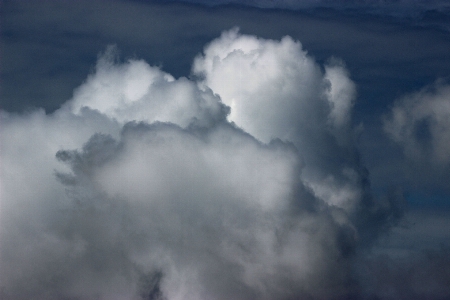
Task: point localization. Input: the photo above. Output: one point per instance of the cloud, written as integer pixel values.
(31, 198)
(134, 91)
(420, 124)
(242, 184)
(276, 90)
(417, 127)
(208, 209)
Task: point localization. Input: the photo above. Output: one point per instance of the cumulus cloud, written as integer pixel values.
(275, 90)
(242, 184)
(420, 124)
(135, 91)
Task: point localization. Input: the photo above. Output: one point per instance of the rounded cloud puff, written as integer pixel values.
(275, 90)
(135, 91)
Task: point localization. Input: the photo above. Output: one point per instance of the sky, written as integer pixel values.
(224, 149)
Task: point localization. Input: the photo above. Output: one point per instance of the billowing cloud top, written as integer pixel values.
(275, 90)
(242, 184)
(135, 91)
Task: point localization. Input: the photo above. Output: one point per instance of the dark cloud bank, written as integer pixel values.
(244, 181)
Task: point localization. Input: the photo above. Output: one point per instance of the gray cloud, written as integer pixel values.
(243, 183)
(418, 129)
(207, 209)
(420, 123)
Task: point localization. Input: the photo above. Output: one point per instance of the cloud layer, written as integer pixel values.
(404, 8)
(244, 183)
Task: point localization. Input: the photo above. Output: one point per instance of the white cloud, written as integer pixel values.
(211, 205)
(135, 91)
(420, 124)
(275, 90)
(260, 80)
(139, 187)
(209, 209)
